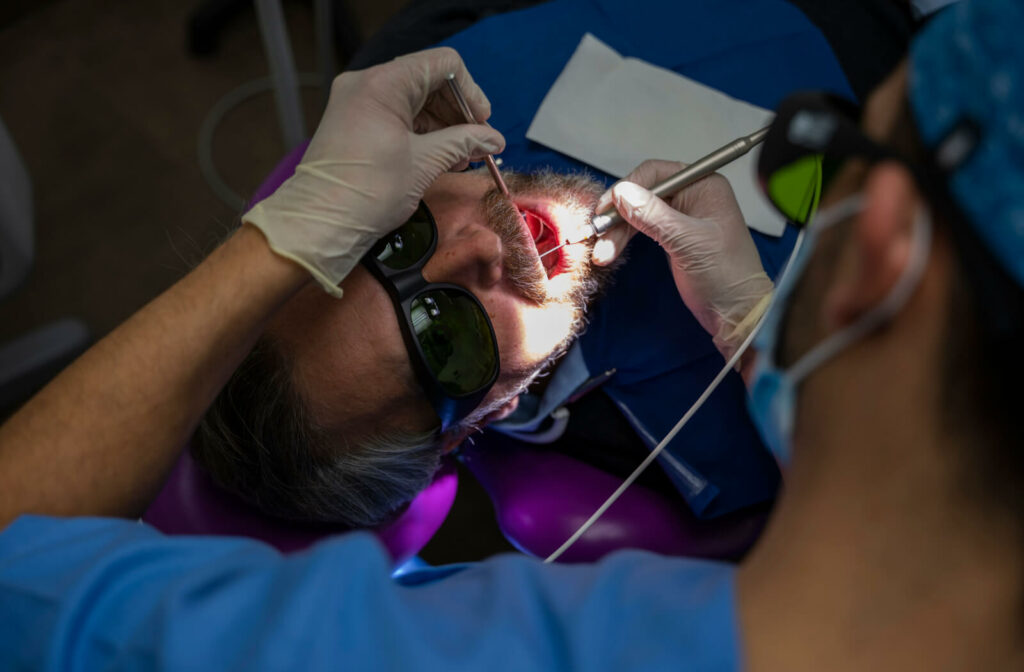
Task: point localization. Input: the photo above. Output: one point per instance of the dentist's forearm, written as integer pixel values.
(103, 435)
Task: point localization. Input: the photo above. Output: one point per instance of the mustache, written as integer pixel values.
(521, 266)
(579, 191)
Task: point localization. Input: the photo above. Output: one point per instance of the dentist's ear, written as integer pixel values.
(878, 248)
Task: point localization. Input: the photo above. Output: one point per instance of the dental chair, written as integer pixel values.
(190, 503)
(540, 498)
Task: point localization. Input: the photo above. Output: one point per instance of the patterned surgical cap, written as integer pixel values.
(968, 63)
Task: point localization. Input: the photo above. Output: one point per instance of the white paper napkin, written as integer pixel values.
(613, 113)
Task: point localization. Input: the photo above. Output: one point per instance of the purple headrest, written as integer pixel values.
(284, 169)
(190, 503)
(541, 497)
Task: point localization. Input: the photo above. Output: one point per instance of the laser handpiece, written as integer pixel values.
(697, 170)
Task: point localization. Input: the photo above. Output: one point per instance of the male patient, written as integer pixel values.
(325, 420)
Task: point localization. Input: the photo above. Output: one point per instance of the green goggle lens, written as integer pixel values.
(795, 188)
(455, 338)
(407, 244)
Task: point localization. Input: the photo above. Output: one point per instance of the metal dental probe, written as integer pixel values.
(697, 170)
(456, 90)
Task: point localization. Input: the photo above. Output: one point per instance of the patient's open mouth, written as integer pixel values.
(544, 237)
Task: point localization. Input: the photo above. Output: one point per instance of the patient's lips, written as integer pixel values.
(544, 237)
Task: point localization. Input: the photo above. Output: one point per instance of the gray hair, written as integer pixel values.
(259, 441)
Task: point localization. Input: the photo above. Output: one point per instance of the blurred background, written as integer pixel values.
(104, 99)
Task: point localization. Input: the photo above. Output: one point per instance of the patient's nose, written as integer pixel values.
(472, 258)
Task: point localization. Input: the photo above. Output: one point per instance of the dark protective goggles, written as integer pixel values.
(812, 135)
(449, 337)
(815, 133)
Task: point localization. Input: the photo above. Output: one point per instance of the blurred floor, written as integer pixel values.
(105, 104)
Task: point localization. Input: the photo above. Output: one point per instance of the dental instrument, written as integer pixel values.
(697, 170)
(456, 90)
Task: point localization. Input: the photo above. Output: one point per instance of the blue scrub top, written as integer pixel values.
(92, 594)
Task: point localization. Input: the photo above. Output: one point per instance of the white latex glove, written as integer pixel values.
(388, 132)
(714, 262)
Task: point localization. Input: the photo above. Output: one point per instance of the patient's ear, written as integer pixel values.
(878, 247)
(452, 440)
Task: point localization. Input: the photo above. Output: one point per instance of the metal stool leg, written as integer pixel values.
(282, 71)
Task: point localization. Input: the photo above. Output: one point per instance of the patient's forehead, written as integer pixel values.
(460, 191)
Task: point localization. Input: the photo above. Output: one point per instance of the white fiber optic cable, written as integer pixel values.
(679, 425)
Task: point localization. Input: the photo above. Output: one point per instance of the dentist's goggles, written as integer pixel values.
(814, 134)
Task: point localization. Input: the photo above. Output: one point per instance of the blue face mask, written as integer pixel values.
(772, 398)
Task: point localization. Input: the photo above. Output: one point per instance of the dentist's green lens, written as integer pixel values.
(796, 188)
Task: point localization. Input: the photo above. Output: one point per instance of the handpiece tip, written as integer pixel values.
(585, 233)
(601, 223)
(553, 250)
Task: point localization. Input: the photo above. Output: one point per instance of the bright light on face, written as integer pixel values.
(546, 329)
(571, 220)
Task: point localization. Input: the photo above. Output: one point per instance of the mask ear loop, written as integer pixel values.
(786, 284)
(886, 309)
(889, 306)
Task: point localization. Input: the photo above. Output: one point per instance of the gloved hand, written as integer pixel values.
(714, 262)
(387, 133)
